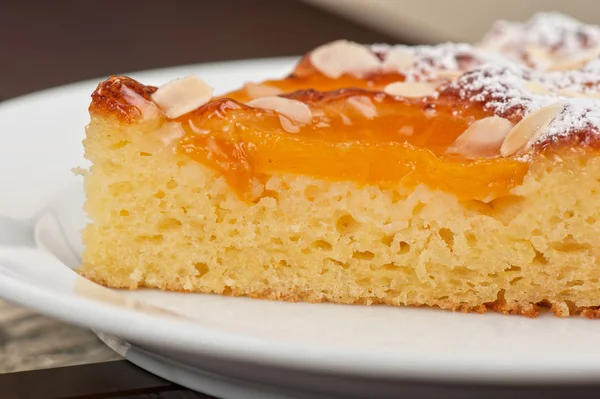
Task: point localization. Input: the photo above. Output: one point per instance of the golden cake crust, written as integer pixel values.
(164, 193)
(578, 125)
(110, 100)
(500, 305)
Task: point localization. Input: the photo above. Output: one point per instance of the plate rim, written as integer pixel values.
(194, 339)
(143, 74)
(236, 346)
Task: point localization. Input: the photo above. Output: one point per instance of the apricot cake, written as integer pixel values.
(465, 177)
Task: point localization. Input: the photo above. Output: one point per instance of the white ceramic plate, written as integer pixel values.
(306, 347)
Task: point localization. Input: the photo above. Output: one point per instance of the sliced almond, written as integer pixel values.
(591, 95)
(345, 119)
(570, 93)
(294, 110)
(539, 56)
(482, 139)
(181, 96)
(337, 58)
(196, 129)
(575, 62)
(568, 64)
(448, 74)
(148, 109)
(536, 88)
(525, 133)
(578, 94)
(255, 90)
(364, 105)
(288, 125)
(411, 89)
(397, 60)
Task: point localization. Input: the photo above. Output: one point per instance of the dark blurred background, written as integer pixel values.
(71, 40)
(48, 43)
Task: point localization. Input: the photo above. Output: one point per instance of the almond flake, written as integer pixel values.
(397, 60)
(452, 75)
(536, 88)
(337, 58)
(578, 94)
(525, 133)
(539, 56)
(288, 125)
(364, 105)
(482, 139)
(411, 89)
(255, 90)
(148, 109)
(576, 62)
(196, 129)
(570, 93)
(295, 110)
(181, 96)
(345, 119)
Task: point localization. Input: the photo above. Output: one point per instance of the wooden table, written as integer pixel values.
(68, 362)
(46, 358)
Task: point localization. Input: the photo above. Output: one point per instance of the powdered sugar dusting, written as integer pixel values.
(586, 80)
(579, 115)
(592, 68)
(501, 75)
(502, 91)
(556, 32)
(498, 79)
(430, 61)
(573, 81)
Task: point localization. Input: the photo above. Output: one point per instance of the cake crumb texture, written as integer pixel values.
(162, 220)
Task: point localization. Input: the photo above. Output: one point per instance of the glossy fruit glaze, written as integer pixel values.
(357, 133)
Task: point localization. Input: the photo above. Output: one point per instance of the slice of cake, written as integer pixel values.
(457, 176)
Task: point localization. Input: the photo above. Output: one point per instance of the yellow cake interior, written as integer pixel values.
(465, 177)
(164, 221)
